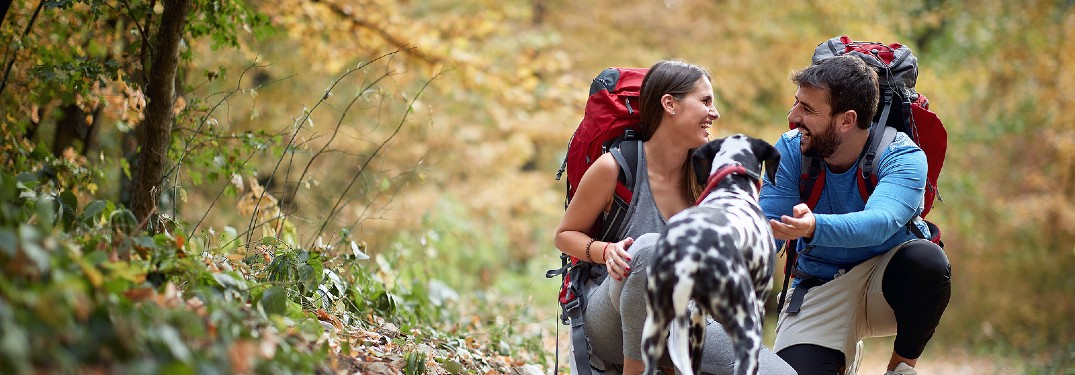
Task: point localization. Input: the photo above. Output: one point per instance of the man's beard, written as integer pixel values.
(823, 144)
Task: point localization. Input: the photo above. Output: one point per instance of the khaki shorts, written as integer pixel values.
(842, 312)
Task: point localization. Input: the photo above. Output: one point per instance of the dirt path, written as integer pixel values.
(934, 361)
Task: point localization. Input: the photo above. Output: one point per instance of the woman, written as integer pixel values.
(677, 111)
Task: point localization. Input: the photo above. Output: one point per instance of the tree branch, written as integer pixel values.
(15, 53)
(384, 34)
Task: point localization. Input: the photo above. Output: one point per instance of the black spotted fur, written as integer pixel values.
(719, 255)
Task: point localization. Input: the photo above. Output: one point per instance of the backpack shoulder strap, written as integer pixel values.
(811, 180)
(627, 155)
(867, 176)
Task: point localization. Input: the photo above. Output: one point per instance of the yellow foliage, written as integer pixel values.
(491, 132)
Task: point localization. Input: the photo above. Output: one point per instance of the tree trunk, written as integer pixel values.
(5, 4)
(156, 131)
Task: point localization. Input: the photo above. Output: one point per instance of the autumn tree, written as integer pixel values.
(126, 63)
(156, 132)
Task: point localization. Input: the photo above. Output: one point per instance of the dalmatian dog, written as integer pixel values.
(719, 255)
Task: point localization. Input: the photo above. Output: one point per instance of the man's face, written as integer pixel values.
(811, 114)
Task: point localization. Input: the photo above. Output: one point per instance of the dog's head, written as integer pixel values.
(749, 152)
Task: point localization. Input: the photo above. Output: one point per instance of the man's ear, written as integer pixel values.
(702, 160)
(848, 120)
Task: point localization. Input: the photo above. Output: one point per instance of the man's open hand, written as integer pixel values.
(799, 226)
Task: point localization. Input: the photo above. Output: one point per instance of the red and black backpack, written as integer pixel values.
(900, 109)
(610, 124)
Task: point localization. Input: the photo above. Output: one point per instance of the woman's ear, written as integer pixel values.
(669, 103)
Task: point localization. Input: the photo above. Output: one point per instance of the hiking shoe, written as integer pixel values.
(902, 369)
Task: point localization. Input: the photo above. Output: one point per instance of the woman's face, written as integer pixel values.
(694, 114)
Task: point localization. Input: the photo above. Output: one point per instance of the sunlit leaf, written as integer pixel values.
(358, 253)
(230, 281)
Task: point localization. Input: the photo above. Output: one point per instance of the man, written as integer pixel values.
(861, 271)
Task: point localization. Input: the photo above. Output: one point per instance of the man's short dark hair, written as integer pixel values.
(849, 82)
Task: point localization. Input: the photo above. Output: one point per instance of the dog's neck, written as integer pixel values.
(724, 171)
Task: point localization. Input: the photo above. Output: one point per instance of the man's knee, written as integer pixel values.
(922, 260)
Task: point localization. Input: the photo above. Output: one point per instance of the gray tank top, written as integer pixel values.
(642, 217)
(642, 214)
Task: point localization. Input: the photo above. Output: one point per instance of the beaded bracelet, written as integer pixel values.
(588, 249)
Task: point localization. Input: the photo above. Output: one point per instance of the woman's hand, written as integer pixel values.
(616, 258)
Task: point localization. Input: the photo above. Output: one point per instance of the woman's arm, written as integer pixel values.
(593, 196)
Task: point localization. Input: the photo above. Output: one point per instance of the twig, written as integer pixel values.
(248, 231)
(339, 124)
(205, 119)
(399, 187)
(221, 192)
(310, 112)
(374, 155)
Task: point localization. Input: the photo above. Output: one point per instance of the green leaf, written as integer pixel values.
(126, 167)
(271, 241)
(123, 221)
(274, 301)
(68, 207)
(177, 368)
(453, 367)
(171, 338)
(27, 179)
(46, 212)
(93, 211)
(415, 364)
(8, 239)
(146, 241)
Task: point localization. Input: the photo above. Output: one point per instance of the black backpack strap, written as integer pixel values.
(627, 155)
(790, 262)
(934, 231)
(811, 180)
(878, 130)
(867, 177)
(630, 150)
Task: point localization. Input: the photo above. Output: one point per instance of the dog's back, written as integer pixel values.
(720, 256)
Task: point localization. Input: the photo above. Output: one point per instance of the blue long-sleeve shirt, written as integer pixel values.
(848, 230)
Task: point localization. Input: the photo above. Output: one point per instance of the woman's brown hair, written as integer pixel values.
(676, 78)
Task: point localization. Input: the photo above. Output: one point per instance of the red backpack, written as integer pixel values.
(610, 124)
(900, 109)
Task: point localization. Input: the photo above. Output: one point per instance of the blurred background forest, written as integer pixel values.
(404, 155)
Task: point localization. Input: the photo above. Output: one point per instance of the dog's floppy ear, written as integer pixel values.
(702, 160)
(768, 155)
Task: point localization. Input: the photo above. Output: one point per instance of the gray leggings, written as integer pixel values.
(616, 312)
